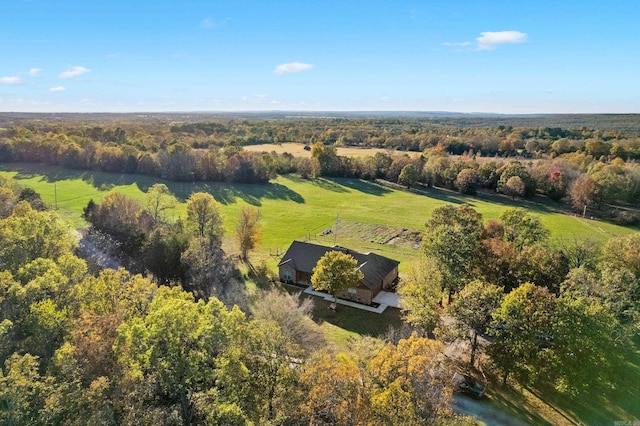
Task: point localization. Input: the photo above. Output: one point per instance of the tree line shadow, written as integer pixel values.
(224, 193)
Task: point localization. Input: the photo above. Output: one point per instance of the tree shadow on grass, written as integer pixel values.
(224, 193)
(364, 186)
(601, 406)
(442, 194)
(328, 184)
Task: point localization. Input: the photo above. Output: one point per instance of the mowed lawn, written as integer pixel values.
(294, 208)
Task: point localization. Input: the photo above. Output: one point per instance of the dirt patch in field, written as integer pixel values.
(380, 234)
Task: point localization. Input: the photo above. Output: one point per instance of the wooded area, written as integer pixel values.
(588, 168)
(183, 343)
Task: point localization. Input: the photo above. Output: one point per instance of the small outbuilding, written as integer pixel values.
(380, 273)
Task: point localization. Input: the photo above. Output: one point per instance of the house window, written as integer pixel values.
(286, 275)
(353, 293)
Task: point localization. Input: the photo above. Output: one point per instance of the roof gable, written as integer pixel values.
(303, 257)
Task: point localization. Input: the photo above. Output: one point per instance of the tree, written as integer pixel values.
(28, 234)
(587, 352)
(467, 181)
(292, 313)
(409, 175)
(248, 231)
(582, 192)
(7, 201)
(209, 272)
(335, 391)
(258, 369)
(162, 254)
(623, 252)
(23, 391)
(336, 271)
(327, 157)
(471, 312)
(452, 240)
(158, 201)
(174, 344)
(411, 382)
(515, 168)
(521, 327)
(521, 228)
(514, 187)
(421, 294)
(203, 215)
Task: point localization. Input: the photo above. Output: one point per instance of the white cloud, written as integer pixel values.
(34, 72)
(58, 89)
(291, 68)
(490, 39)
(13, 80)
(74, 72)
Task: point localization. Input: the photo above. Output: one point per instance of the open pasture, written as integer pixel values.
(294, 208)
(297, 150)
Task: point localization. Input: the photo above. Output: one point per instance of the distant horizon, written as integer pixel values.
(493, 57)
(314, 112)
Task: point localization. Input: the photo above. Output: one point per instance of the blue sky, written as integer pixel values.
(469, 56)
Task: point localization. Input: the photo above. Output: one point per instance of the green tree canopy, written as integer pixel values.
(336, 271)
(204, 217)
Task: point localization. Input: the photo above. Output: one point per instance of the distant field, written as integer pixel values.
(297, 150)
(293, 208)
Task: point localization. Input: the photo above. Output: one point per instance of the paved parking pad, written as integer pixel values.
(384, 298)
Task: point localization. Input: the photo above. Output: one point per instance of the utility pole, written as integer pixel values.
(335, 234)
(55, 195)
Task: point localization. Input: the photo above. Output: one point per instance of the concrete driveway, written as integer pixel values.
(388, 298)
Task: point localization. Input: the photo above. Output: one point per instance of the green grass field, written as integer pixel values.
(293, 208)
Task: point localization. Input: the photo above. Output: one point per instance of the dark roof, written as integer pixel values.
(303, 257)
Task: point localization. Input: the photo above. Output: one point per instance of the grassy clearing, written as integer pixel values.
(548, 407)
(297, 150)
(294, 208)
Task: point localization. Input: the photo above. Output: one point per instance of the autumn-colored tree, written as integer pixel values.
(467, 181)
(582, 192)
(336, 271)
(335, 391)
(514, 187)
(248, 231)
(411, 383)
(292, 313)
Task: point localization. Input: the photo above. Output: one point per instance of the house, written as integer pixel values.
(379, 272)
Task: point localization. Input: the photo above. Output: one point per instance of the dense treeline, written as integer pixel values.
(584, 167)
(539, 316)
(119, 349)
